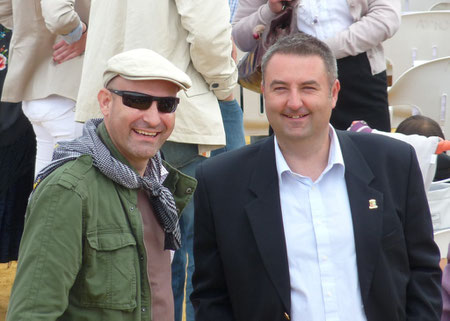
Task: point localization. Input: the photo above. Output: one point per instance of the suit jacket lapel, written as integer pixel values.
(264, 213)
(366, 205)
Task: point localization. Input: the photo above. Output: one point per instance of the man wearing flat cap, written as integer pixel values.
(102, 220)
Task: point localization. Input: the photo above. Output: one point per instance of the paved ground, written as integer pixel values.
(7, 273)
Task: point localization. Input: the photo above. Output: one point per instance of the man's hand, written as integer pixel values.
(276, 6)
(62, 51)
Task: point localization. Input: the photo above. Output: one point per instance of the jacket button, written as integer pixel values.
(215, 85)
(286, 316)
(143, 309)
(132, 208)
(188, 190)
(142, 258)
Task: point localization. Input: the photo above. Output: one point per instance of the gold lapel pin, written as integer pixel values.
(373, 204)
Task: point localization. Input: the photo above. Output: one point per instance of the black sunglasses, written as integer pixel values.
(143, 101)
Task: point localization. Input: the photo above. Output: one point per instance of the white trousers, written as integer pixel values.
(53, 120)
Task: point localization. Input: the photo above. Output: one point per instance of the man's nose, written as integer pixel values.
(151, 115)
(294, 100)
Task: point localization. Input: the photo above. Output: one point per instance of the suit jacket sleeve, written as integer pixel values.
(60, 16)
(209, 36)
(424, 291)
(249, 14)
(6, 13)
(380, 22)
(210, 295)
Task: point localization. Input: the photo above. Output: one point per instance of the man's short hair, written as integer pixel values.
(302, 44)
(420, 125)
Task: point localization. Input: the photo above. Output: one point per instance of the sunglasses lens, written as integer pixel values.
(138, 102)
(167, 104)
(143, 101)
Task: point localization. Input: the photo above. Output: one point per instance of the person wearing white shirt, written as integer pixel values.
(354, 30)
(313, 223)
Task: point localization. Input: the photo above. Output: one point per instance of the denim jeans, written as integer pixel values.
(185, 158)
(234, 126)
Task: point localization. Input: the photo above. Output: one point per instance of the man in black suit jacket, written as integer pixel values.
(269, 247)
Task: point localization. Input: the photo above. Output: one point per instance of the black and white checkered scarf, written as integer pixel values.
(160, 197)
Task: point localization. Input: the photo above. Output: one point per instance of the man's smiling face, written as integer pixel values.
(298, 96)
(137, 134)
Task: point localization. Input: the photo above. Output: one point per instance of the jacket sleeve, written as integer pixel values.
(380, 22)
(423, 297)
(210, 295)
(60, 16)
(50, 256)
(209, 36)
(249, 14)
(6, 18)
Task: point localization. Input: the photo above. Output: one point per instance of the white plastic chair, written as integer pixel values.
(417, 5)
(399, 113)
(440, 6)
(427, 87)
(422, 36)
(442, 239)
(439, 200)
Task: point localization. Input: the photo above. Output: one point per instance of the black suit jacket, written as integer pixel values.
(239, 245)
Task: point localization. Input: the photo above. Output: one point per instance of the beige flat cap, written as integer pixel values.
(144, 64)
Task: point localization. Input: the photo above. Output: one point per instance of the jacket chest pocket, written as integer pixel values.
(108, 277)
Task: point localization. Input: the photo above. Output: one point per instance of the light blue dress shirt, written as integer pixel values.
(320, 243)
(233, 6)
(74, 35)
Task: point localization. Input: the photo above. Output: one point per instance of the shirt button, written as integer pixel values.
(324, 258)
(329, 294)
(188, 190)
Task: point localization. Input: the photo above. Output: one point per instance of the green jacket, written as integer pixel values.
(82, 254)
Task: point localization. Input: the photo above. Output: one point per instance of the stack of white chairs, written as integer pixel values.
(417, 5)
(440, 6)
(442, 239)
(422, 36)
(427, 88)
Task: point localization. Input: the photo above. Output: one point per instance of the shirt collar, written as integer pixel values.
(335, 157)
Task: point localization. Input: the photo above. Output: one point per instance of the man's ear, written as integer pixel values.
(104, 98)
(335, 92)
